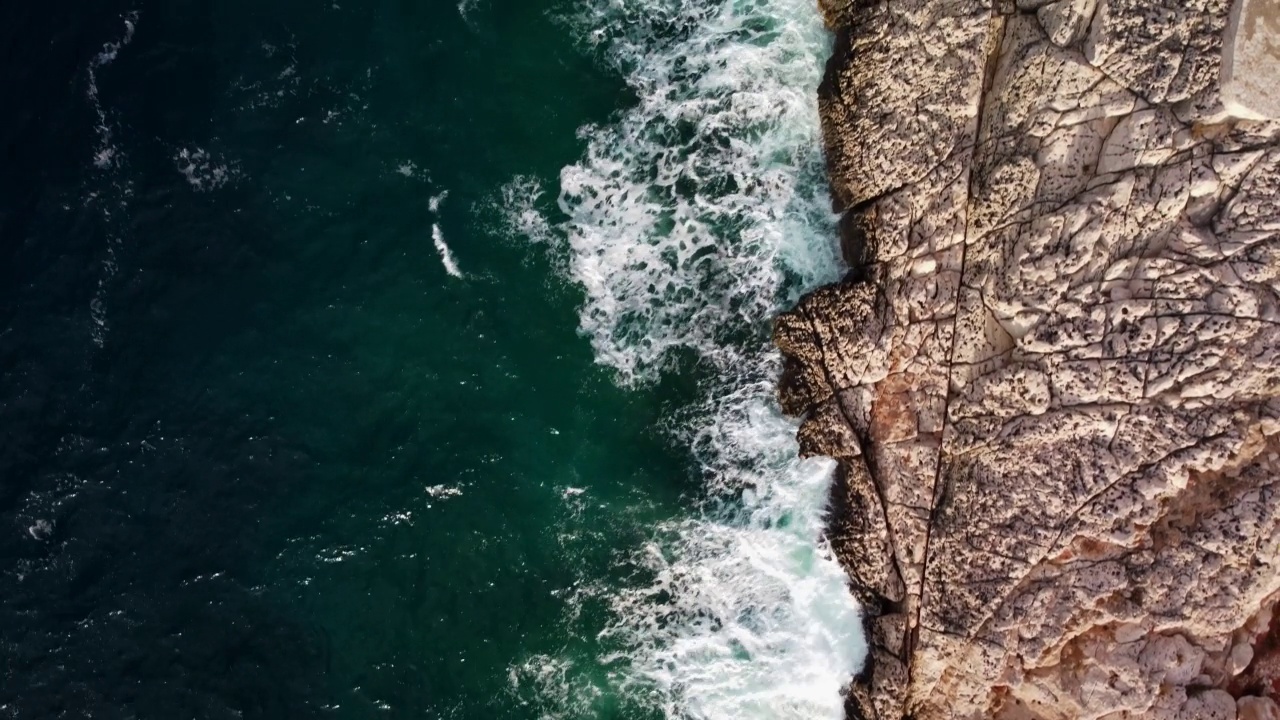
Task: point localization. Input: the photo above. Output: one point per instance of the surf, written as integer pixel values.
(690, 221)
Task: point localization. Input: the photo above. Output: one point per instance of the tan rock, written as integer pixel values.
(1251, 707)
(1251, 60)
(1051, 379)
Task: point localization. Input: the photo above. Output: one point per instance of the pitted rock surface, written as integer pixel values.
(1051, 378)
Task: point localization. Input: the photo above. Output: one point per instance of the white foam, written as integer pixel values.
(437, 237)
(446, 255)
(203, 171)
(466, 9)
(687, 214)
(106, 156)
(109, 159)
(442, 492)
(554, 686)
(519, 210)
(747, 614)
(40, 530)
(692, 220)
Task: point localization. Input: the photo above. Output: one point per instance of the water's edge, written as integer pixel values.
(694, 217)
(857, 258)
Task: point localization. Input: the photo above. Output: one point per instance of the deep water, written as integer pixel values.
(368, 359)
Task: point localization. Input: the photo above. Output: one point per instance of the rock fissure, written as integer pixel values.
(989, 71)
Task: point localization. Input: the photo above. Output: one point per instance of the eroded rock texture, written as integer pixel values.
(1051, 377)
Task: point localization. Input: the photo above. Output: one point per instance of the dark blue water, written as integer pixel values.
(311, 405)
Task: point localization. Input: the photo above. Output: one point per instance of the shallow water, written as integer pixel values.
(370, 359)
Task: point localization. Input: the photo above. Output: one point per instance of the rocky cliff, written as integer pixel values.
(1051, 377)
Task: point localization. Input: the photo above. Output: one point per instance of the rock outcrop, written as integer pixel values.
(1051, 378)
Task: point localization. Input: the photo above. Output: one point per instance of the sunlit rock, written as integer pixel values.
(1052, 377)
(1251, 60)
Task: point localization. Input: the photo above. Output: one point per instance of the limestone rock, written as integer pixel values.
(1052, 376)
(1257, 708)
(1251, 60)
(1066, 21)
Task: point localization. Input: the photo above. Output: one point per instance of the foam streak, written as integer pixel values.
(446, 255)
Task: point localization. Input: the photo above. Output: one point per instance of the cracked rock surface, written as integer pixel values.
(1051, 376)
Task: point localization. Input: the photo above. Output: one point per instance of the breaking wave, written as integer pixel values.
(690, 221)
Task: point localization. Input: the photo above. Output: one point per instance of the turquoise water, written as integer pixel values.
(374, 359)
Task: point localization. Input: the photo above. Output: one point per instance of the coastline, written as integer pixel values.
(1050, 364)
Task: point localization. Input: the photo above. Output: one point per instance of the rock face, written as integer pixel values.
(1251, 60)
(1051, 378)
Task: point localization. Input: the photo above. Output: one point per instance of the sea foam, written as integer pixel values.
(437, 237)
(692, 220)
(105, 153)
(114, 195)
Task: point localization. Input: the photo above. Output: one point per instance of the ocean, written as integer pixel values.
(372, 359)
